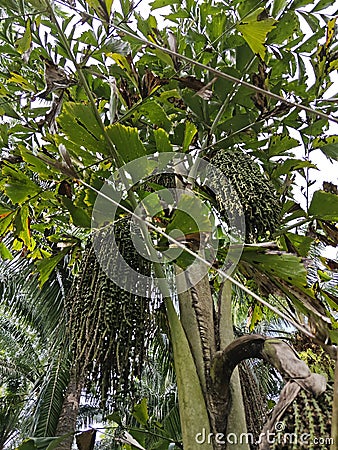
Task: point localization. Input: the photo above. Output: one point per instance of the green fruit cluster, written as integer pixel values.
(109, 327)
(307, 422)
(248, 191)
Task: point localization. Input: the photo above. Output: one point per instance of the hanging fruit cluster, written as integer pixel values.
(256, 196)
(307, 419)
(110, 327)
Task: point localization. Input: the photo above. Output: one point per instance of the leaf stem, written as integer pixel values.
(291, 227)
(228, 77)
(226, 103)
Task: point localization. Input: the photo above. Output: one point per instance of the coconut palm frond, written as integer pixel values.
(39, 308)
(17, 343)
(51, 389)
(32, 333)
(10, 409)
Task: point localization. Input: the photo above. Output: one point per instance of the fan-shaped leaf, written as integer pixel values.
(255, 28)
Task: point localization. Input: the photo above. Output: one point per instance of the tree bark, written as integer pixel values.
(69, 413)
(197, 317)
(334, 427)
(236, 420)
(191, 329)
(224, 363)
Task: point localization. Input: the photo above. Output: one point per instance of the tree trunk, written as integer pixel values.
(236, 425)
(69, 413)
(334, 427)
(197, 317)
(206, 334)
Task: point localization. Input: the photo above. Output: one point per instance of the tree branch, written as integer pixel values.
(225, 76)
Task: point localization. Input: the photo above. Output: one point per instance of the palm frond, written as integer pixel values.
(40, 308)
(32, 340)
(51, 389)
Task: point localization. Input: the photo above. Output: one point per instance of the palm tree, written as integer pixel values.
(120, 110)
(33, 369)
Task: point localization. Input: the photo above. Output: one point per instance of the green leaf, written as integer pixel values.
(4, 211)
(46, 266)
(324, 206)
(39, 253)
(331, 299)
(140, 412)
(6, 223)
(290, 165)
(126, 6)
(23, 44)
(315, 128)
(189, 133)
(279, 143)
(297, 243)
(35, 163)
(100, 7)
(255, 30)
(22, 228)
(147, 26)
(161, 3)
(115, 417)
(42, 443)
(191, 216)
(126, 141)
(40, 5)
(246, 6)
(217, 26)
(162, 141)
(328, 145)
(195, 103)
(322, 4)
(278, 7)
(324, 276)
(299, 3)
(18, 79)
(7, 110)
(189, 219)
(330, 151)
(123, 62)
(80, 125)
(164, 57)
(256, 317)
(285, 266)
(114, 46)
(3, 91)
(79, 216)
(76, 151)
(311, 20)
(18, 187)
(4, 252)
(286, 27)
(156, 114)
(109, 4)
